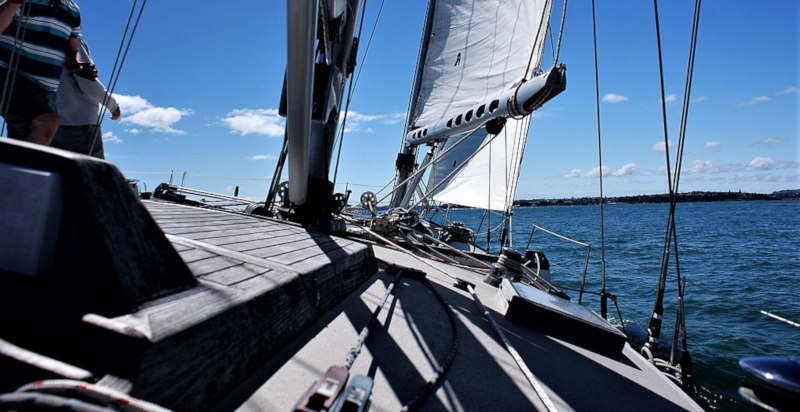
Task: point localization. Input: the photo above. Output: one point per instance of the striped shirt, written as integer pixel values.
(45, 27)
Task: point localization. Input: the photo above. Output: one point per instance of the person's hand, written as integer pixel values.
(115, 115)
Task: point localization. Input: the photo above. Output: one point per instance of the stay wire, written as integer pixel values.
(600, 167)
(353, 82)
(654, 327)
(118, 63)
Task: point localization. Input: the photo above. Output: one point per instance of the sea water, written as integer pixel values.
(738, 258)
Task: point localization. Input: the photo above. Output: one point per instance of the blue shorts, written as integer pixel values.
(27, 101)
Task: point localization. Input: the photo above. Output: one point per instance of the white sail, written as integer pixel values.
(489, 178)
(476, 50)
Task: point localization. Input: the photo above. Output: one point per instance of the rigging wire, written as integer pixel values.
(685, 361)
(421, 170)
(354, 81)
(539, 45)
(11, 79)
(560, 32)
(603, 303)
(654, 329)
(118, 63)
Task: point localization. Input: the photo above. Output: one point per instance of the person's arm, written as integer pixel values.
(97, 92)
(7, 11)
(71, 56)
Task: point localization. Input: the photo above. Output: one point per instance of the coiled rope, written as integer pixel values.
(74, 395)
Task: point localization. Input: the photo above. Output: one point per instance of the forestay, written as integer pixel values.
(477, 49)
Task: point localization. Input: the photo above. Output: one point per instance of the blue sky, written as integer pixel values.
(201, 84)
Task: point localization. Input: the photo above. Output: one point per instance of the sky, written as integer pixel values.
(201, 83)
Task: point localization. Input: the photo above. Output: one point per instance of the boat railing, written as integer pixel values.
(586, 245)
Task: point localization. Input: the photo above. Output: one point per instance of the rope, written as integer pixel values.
(600, 167)
(440, 373)
(362, 337)
(39, 402)
(118, 63)
(95, 393)
(514, 354)
(547, 7)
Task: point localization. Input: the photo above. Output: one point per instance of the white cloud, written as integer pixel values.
(700, 99)
(788, 91)
(357, 122)
(626, 170)
(755, 100)
(670, 98)
(659, 146)
(761, 163)
(255, 121)
(772, 140)
(133, 131)
(712, 144)
(614, 98)
(132, 104)
(766, 163)
(138, 111)
(110, 137)
(595, 172)
(262, 157)
(707, 167)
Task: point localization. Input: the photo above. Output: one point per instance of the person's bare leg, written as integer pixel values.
(43, 128)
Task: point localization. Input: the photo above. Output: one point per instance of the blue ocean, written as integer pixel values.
(739, 258)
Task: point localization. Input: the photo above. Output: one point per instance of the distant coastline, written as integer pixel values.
(664, 198)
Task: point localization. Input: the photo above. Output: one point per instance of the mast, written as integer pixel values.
(321, 56)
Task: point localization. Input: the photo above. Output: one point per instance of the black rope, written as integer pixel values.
(432, 384)
(118, 63)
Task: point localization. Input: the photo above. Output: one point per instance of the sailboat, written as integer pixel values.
(113, 301)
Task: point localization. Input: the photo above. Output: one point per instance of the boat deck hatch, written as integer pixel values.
(560, 318)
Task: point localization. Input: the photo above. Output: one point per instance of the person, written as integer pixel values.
(37, 38)
(79, 96)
